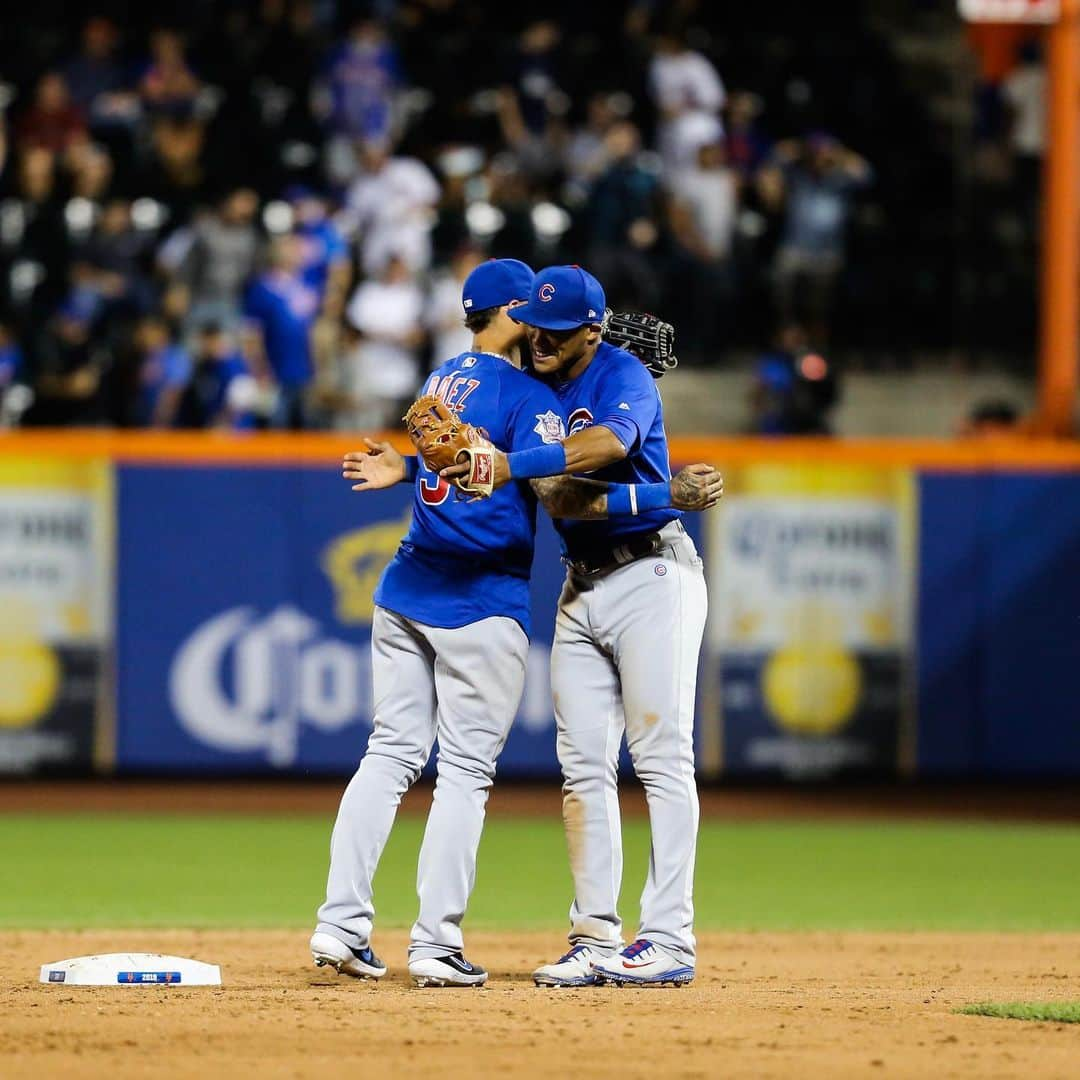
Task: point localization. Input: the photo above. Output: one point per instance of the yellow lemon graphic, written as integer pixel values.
(812, 688)
(29, 680)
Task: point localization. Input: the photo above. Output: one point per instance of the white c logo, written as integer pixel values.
(546, 291)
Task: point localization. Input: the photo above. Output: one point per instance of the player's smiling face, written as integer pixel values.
(555, 350)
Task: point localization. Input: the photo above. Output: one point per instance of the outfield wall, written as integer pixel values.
(194, 603)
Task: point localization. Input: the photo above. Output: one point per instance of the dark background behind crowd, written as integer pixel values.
(259, 214)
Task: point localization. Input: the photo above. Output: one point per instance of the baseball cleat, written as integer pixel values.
(643, 964)
(328, 951)
(451, 970)
(573, 969)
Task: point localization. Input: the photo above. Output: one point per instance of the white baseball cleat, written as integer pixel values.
(328, 951)
(643, 963)
(573, 969)
(451, 970)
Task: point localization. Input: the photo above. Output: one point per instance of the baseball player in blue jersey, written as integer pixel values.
(450, 640)
(627, 636)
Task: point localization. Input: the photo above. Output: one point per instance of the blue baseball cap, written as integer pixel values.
(496, 282)
(563, 298)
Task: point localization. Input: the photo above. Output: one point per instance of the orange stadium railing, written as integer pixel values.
(313, 449)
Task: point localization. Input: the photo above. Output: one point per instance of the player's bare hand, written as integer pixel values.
(380, 466)
(697, 487)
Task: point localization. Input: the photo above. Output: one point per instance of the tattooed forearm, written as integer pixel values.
(571, 497)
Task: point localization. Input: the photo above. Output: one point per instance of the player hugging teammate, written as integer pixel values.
(450, 632)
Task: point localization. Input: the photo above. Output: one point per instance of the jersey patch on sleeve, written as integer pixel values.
(549, 426)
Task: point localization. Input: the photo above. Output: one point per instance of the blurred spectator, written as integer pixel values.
(382, 369)
(91, 172)
(391, 206)
(220, 381)
(168, 86)
(68, 382)
(281, 308)
(620, 222)
(794, 388)
(360, 81)
(95, 77)
(176, 174)
(214, 257)
(1024, 92)
(163, 371)
(34, 245)
(585, 156)
(747, 143)
(52, 122)
(991, 419)
(689, 95)
(15, 397)
(703, 209)
(325, 262)
(109, 267)
(442, 314)
(531, 102)
(814, 181)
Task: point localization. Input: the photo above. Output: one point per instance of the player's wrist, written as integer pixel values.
(411, 468)
(547, 460)
(634, 499)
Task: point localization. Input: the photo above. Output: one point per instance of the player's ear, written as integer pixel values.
(593, 336)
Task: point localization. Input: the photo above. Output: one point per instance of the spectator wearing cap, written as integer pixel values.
(325, 261)
(221, 390)
(382, 368)
(280, 308)
(162, 374)
(814, 182)
(68, 388)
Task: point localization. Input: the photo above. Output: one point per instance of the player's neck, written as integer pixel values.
(494, 344)
(580, 364)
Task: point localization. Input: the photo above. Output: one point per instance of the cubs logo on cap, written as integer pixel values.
(562, 298)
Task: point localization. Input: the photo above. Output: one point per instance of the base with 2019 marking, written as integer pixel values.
(131, 969)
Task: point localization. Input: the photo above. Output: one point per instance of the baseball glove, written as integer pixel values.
(441, 439)
(650, 339)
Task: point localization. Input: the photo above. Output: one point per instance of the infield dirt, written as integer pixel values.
(763, 1005)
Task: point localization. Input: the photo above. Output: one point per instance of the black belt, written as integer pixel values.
(599, 560)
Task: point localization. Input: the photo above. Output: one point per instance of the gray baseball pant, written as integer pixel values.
(462, 686)
(625, 659)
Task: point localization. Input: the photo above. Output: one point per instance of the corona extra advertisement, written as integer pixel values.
(244, 637)
(55, 589)
(810, 633)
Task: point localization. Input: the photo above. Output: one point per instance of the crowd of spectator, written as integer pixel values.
(260, 215)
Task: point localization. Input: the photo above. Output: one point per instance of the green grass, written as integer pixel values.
(1055, 1012)
(161, 870)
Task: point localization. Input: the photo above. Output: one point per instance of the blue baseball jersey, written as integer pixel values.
(617, 391)
(463, 561)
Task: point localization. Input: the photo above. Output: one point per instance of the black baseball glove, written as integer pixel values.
(650, 339)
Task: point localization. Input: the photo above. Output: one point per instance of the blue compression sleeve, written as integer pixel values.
(412, 467)
(549, 460)
(634, 499)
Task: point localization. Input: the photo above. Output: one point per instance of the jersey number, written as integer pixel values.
(434, 490)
